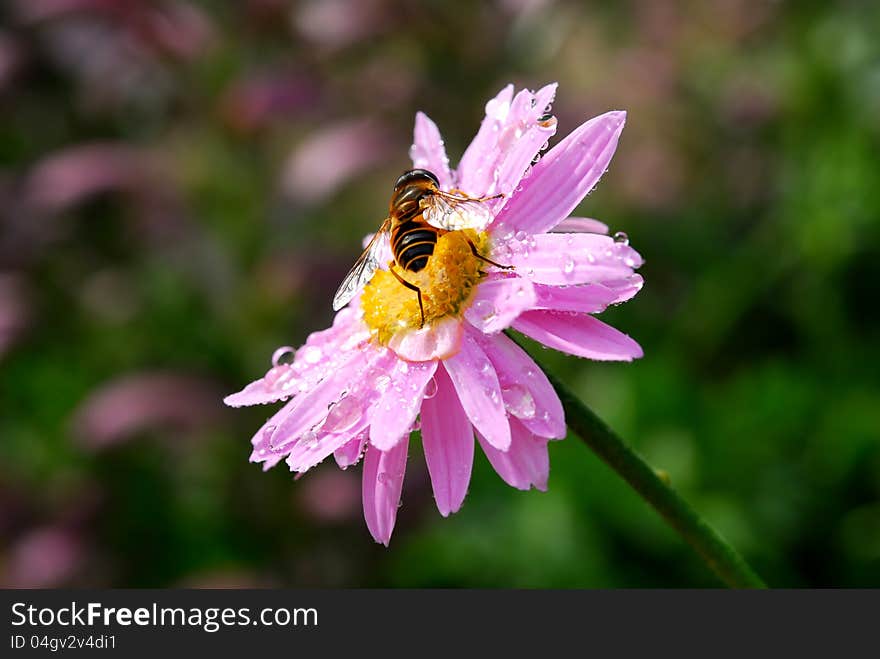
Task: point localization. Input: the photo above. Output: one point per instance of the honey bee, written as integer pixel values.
(418, 214)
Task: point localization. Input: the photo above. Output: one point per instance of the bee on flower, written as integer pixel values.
(418, 338)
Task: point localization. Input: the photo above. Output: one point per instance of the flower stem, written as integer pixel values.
(720, 556)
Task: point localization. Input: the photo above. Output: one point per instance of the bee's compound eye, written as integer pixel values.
(415, 175)
(431, 176)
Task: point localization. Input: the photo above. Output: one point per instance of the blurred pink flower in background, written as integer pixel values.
(15, 309)
(332, 157)
(330, 496)
(69, 177)
(180, 29)
(44, 557)
(11, 57)
(358, 388)
(143, 402)
(335, 24)
(254, 101)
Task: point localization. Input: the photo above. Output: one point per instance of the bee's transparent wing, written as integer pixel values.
(453, 212)
(364, 268)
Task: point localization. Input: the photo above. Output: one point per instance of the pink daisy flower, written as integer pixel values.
(359, 388)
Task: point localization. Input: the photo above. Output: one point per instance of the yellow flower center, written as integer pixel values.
(447, 284)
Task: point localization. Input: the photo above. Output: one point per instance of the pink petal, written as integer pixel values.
(591, 298)
(526, 391)
(581, 225)
(624, 289)
(521, 141)
(343, 420)
(498, 301)
(507, 142)
(305, 454)
(382, 485)
(581, 335)
(349, 454)
(428, 151)
(311, 408)
(525, 464)
(448, 440)
(564, 176)
(568, 259)
(478, 389)
(260, 441)
(435, 341)
(470, 175)
(323, 350)
(395, 412)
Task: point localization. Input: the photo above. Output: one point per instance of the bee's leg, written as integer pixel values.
(483, 258)
(411, 287)
(459, 195)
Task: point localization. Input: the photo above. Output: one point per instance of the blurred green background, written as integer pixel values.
(182, 186)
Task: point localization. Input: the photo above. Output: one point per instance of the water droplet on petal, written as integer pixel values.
(346, 412)
(567, 264)
(431, 388)
(485, 310)
(273, 375)
(284, 355)
(381, 382)
(621, 237)
(382, 477)
(309, 438)
(519, 401)
(312, 354)
(268, 430)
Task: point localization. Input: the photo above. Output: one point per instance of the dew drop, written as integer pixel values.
(519, 401)
(431, 388)
(309, 438)
(312, 354)
(273, 375)
(485, 310)
(621, 238)
(284, 355)
(521, 235)
(346, 412)
(382, 477)
(267, 431)
(568, 264)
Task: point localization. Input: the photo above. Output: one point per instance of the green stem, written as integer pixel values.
(654, 488)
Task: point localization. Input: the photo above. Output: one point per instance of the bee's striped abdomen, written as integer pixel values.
(413, 243)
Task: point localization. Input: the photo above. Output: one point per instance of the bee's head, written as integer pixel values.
(416, 177)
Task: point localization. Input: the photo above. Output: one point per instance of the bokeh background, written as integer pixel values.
(182, 186)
